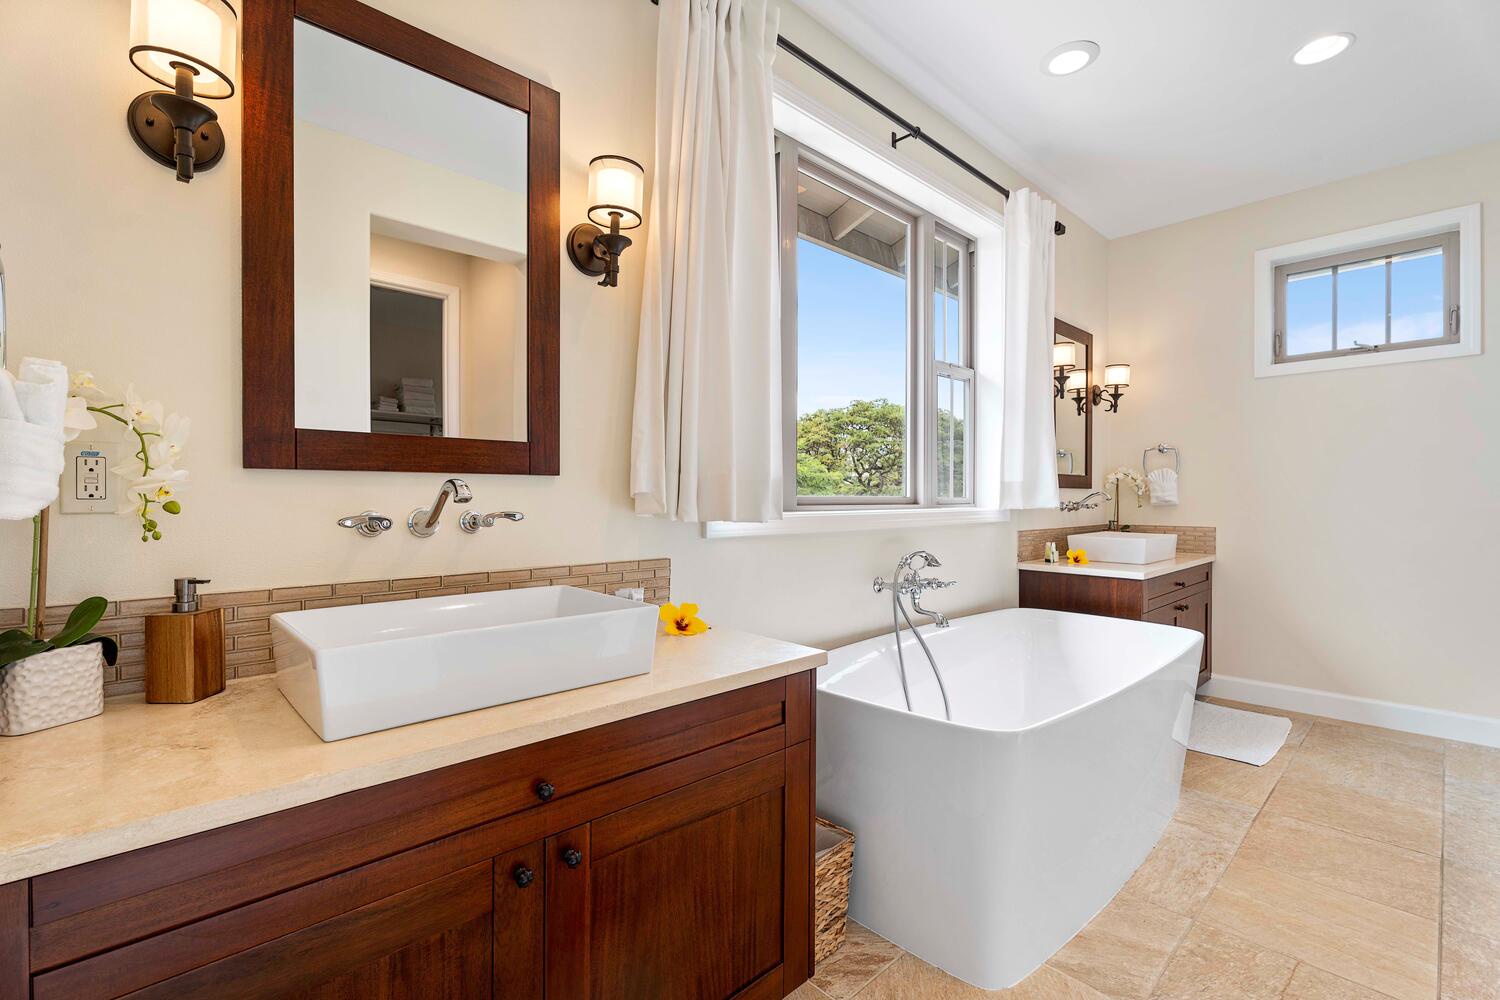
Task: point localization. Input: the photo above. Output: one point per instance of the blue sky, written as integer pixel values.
(1416, 305)
(851, 331)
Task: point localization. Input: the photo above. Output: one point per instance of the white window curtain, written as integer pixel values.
(706, 444)
(1028, 434)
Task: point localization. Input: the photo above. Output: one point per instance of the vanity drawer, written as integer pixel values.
(104, 904)
(1173, 585)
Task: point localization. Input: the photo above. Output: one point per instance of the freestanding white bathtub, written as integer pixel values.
(982, 845)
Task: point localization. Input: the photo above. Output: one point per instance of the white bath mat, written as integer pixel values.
(1237, 735)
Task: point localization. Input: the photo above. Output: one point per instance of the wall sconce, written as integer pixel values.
(1076, 382)
(191, 46)
(1064, 360)
(616, 195)
(1116, 380)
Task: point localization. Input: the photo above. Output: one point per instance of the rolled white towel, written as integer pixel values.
(32, 408)
(42, 390)
(31, 464)
(1163, 483)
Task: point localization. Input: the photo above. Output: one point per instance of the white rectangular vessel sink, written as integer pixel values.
(1132, 547)
(362, 668)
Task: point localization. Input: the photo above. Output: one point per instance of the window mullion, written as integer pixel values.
(787, 165)
(924, 396)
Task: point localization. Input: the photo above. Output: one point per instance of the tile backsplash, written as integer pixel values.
(1032, 544)
(247, 613)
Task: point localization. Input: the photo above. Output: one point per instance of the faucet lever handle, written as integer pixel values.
(369, 524)
(472, 520)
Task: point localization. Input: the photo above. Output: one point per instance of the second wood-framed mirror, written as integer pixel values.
(1073, 410)
(401, 249)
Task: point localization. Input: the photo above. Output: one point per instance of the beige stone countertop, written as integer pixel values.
(144, 774)
(1122, 571)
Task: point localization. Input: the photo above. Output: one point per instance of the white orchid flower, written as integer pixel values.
(157, 485)
(174, 434)
(84, 385)
(77, 418)
(143, 414)
(129, 468)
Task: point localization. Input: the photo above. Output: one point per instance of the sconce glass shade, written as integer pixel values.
(200, 34)
(616, 184)
(1065, 355)
(1116, 374)
(1078, 381)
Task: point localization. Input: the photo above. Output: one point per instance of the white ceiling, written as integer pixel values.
(1193, 106)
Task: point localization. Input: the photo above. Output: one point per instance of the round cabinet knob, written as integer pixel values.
(572, 857)
(524, 876)
(545, 790)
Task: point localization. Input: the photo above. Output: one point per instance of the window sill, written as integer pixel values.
(819, 522)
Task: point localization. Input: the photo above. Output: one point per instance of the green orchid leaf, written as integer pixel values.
(13, 635)
(83, 618)
(12, 650)
(110, 648)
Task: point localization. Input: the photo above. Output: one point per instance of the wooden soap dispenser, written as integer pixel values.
(184, 649)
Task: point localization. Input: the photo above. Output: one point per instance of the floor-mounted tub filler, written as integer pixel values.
(987, 842)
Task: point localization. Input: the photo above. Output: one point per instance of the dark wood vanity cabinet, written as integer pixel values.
(664, 856)
(1183, 598)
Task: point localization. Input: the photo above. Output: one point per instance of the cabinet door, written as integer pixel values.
(1198, 616)
(680, 896)
(430, 942)
(520, 907)
(1164, 615)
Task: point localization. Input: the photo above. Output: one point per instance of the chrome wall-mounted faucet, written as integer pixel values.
(423, 521)
(1074, 506)
(368, 524)
(472, 520)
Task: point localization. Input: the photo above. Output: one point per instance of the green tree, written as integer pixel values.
(853, 450)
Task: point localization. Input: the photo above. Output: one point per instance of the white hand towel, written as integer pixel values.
(1163, 484)
(31, 437)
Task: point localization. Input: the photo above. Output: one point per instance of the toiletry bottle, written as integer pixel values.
(184, 649)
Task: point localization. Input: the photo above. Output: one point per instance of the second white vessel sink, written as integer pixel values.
(366, 667)
(1134, 547)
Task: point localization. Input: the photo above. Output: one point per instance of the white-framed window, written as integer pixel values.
(878, 392)
(1401, 291)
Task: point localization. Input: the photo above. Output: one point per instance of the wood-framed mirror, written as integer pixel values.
(401, 249)
(1073, 410)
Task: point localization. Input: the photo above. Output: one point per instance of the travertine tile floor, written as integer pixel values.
(1359, 864)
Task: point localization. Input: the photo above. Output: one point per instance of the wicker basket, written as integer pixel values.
(833, 860)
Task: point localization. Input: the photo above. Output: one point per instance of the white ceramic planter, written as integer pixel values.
(51, 689)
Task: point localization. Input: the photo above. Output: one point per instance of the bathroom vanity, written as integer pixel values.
(1177, 591)
(647, 837)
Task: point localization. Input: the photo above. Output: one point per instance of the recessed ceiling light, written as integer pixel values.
(1069, 57)
(1322, 48)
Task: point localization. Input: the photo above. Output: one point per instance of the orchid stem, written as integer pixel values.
(33, 613)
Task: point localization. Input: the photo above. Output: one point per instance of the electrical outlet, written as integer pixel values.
(88, 487)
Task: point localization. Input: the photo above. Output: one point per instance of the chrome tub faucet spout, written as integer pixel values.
(423, 521)
(909, 582)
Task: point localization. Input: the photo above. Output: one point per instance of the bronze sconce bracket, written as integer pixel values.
(596, 252)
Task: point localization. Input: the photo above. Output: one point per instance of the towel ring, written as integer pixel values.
(1163, 449)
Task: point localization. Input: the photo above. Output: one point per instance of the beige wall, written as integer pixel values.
(1354, 508)
(105, 252)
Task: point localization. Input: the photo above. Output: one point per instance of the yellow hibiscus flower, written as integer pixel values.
(682, 619)
(1078, 557)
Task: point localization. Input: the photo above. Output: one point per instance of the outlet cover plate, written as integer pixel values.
(88, 485)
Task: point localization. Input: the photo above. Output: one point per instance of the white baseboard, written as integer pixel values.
(1481, 729)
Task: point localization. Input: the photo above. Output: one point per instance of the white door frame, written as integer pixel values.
(452, 338)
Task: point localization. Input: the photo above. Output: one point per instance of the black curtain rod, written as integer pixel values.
(912, 131)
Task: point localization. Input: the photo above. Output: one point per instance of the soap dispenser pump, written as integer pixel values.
(184, 648)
